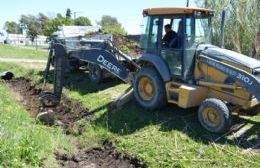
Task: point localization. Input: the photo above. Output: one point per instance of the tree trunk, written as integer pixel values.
(257, 45)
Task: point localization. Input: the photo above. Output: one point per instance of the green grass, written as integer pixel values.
(7, 51)
(171, 137)
(14, 68)
(23, 143)
(20, 71)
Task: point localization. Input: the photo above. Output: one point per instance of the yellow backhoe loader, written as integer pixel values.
(185, 70)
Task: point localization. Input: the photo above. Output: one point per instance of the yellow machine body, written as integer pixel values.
(210, 84)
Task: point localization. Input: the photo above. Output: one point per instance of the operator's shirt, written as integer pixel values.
(168, 37)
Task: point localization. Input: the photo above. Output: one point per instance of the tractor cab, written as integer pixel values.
(190, 26)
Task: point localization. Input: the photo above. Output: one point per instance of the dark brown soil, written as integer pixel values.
(68, 112)
(103, 157)
(128, 42)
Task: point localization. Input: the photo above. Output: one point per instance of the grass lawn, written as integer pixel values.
(171, 137)
(7, 51)
(23, 143)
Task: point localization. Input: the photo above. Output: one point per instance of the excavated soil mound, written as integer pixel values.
(129, 43)
(68, 112)
(103, 157)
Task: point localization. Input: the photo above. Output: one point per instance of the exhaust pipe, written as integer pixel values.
(188, 3)
(222, 29)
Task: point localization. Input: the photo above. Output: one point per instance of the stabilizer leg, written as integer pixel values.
(122, 99)
(48, 66)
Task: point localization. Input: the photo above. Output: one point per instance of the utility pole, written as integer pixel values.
(188, 3)
(222, 28)
(74, 15)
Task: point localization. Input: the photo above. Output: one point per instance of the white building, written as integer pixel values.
(63, 31)
(21, 39)
(41, 40)
(75, 31)
(2, 37)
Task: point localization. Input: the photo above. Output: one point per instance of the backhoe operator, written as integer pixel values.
(169, 36)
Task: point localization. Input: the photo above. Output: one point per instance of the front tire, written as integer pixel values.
(214, 115)
(149, 89)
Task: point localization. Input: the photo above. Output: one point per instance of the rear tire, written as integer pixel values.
(149, 89)
(95, 73)
(214, 115)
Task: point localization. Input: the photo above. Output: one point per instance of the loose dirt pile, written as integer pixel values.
(67, 113)
(128, 44)
(104, 157)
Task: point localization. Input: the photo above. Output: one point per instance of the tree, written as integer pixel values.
(12, 27)
(43, 19)
(68, 13)
(111, 25)
(242, 22)
(82, 21)
(52, 25)
(32, 24)
(256, 46)
(43, 25)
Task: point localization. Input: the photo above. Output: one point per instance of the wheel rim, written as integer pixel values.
(211, 117)
(145, 88)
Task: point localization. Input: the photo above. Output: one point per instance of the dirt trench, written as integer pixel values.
(67, 113)
(102, 157)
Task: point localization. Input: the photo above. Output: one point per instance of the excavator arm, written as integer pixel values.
(106, 57)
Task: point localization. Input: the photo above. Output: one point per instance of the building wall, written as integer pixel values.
(20, 39)
(2, 38)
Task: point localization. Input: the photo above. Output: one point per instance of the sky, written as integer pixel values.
(128, 13)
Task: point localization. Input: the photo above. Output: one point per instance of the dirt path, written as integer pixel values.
(67, 113)
(22, 60)
(26, 63)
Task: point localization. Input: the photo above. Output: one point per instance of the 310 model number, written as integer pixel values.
(245, 79)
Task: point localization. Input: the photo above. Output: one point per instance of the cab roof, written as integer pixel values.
(174, 10)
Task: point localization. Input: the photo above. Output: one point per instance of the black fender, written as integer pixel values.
(158, 63)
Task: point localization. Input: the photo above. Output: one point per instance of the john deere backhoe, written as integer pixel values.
(188, 72)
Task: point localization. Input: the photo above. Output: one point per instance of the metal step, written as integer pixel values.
(175, 90)
(172, 101)
(173, 87)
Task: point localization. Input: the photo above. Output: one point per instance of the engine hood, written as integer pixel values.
(231, 56)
